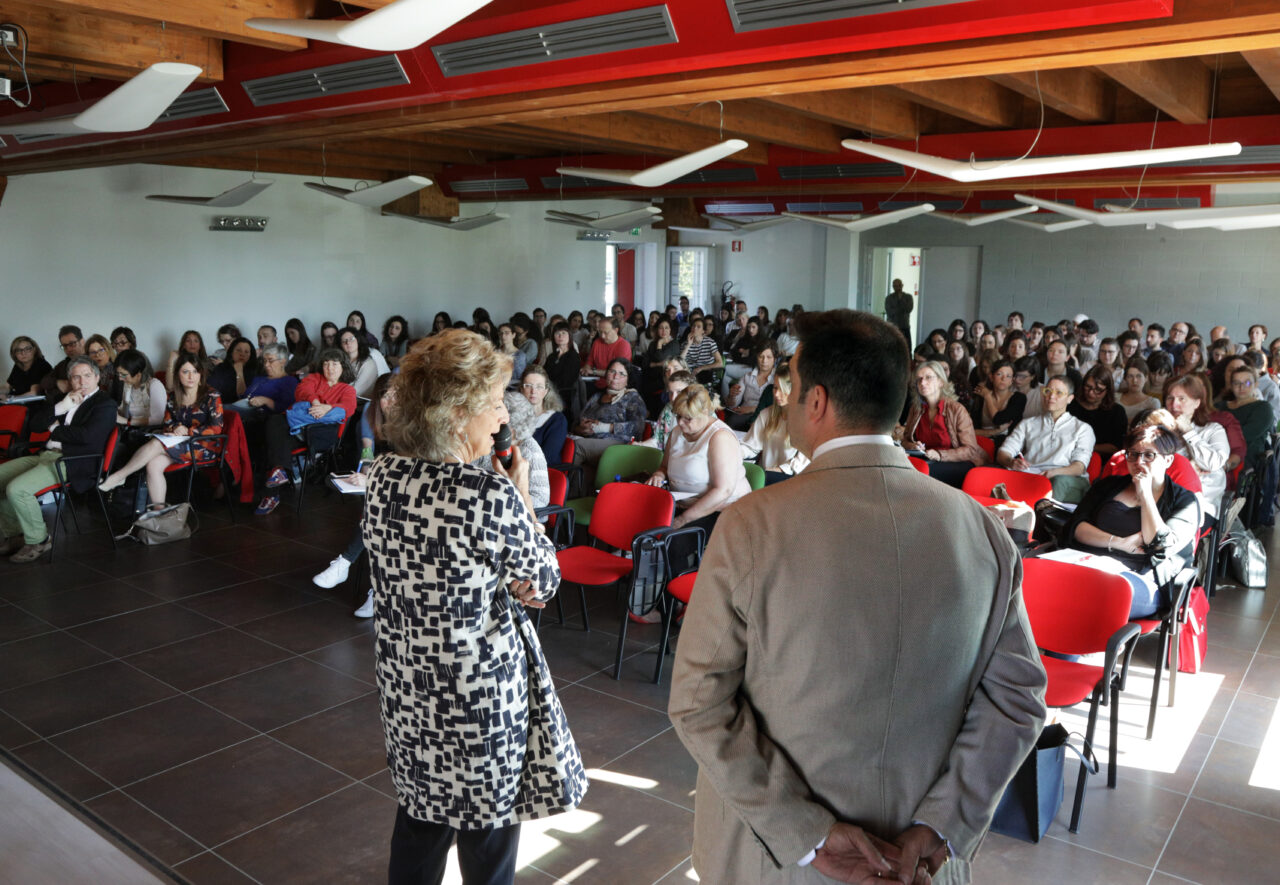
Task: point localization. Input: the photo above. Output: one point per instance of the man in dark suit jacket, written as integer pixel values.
(856, 676)
(84, 419)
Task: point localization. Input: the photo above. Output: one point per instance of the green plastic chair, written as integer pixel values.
(620, 460)
(755, 475)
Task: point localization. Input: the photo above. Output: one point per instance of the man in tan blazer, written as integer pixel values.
(856, 676)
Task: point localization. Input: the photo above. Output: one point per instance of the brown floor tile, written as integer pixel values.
(1271, 640)
(144, 829)
(310, 627)
(353, 657)
(209, 869)
(135, 559)
(662, 767)
(141, 630)
(1231, 631)
(1225, 780)
(1213, 844)
(283, 555)
(90, 603)
(623, 835)
(348, 737)
(281, 693)
(30, 660)
(40, 578)
(342, 838)
(18, 624)
(681, 875)
(1248, 720)
(205, 659)
(62, 771)
(574, 654)
(1228, 663)
(636, 684)
(1243, 603)
(382, 783)
(221, 796)
(85, 696)
(1006, 861)
(229, 540)
(1107, 816)
(184, 580)
(1263, 677)
(145, 741)
(606, 727)
(1180, 780)
(250, 601)
(13, 733)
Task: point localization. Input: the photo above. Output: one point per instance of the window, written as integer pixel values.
(687, 274)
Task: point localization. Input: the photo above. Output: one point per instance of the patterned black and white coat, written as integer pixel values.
(476, 737)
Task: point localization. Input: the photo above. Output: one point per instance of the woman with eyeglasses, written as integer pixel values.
(1144, 523)
(550, 427)
(1204, 441)
(997, 405)
(938, 428)
(29, 366)
(1254, 414)
(1096, 406)
(98, 349)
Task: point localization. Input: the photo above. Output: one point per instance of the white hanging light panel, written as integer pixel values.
(453, 223)
(1139, 217)
(748, 226)
(620, 221)
(237, 196)
(134, 105)
(865, 222)
(663, 173)
(376, 195)
(988, 218)
(397, 26)
(995, 170)
(1052, 227)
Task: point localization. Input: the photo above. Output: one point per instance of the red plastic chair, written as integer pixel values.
(1026, 487)
(192, 466)
(13, 429)
(627, 516)
(1166, 623)
(678, 589)
(60, 488)
(1094, 470)
(307, 455)
(573, 472)
(921, 464)
(1076, 610)
(988, 445)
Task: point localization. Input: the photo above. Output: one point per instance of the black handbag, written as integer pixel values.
(1033, 797)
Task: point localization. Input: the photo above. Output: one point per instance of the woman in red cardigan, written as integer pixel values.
(939, 428)
(319, 394)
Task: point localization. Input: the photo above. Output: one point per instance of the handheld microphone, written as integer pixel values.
(502, 446)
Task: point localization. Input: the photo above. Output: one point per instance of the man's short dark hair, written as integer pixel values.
(1256, 359)
(1134, 320)
(1160, 361)
(1018, 314)
(268, 326)
(70, 330)
(1066, 380)
(1089, 327)
(1156, 327)
(860, 360)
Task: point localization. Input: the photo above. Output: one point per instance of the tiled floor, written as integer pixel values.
(217, 711)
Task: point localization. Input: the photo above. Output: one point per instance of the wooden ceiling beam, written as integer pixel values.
(1266, 64)
(110, 44)
(219, 19)
(280, 163)
(757, 122)
(405, 152)
(650, 135)
(874, 111)
(1182, 88)
(1081, 94)
(974, 99)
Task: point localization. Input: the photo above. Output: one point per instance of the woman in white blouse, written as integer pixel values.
(745, 393)
(1204, 442)
(769, 437)
(143, 402)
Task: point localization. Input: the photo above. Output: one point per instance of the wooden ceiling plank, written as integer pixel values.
(757, 122)
(874, 111)
(1181, 88)
(1266, 64)
(79, 38)
(653, 136)
(272, 164)
(1081, 94)
(220, 19)
(405, 153)
(975, 99)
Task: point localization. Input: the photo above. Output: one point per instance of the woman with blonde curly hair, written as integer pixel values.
(476, 738)
(939, 428)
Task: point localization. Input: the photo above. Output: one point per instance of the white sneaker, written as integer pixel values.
(366, 610)
(334, 575)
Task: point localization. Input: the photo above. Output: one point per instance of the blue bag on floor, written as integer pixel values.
(1033, 797)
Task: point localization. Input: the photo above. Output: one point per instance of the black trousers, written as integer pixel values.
(419, 851)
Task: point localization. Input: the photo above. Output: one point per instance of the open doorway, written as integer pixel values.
(889, 263)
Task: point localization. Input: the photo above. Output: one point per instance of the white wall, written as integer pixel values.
(86, 248)
(1206, 277)
(777, 267)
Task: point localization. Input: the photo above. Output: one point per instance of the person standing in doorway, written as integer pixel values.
(898, 305)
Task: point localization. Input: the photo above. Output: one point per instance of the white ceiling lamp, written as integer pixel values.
(237, 196)
(747, 227)
(1254, 222)
(619, 222)
(865, 222)
(397, 26)
(663, 173)
(133, 106)
(995, 170)
(988, 218)
(453, 222)
(375, 195)
(1052, 227)
(1151, 217)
